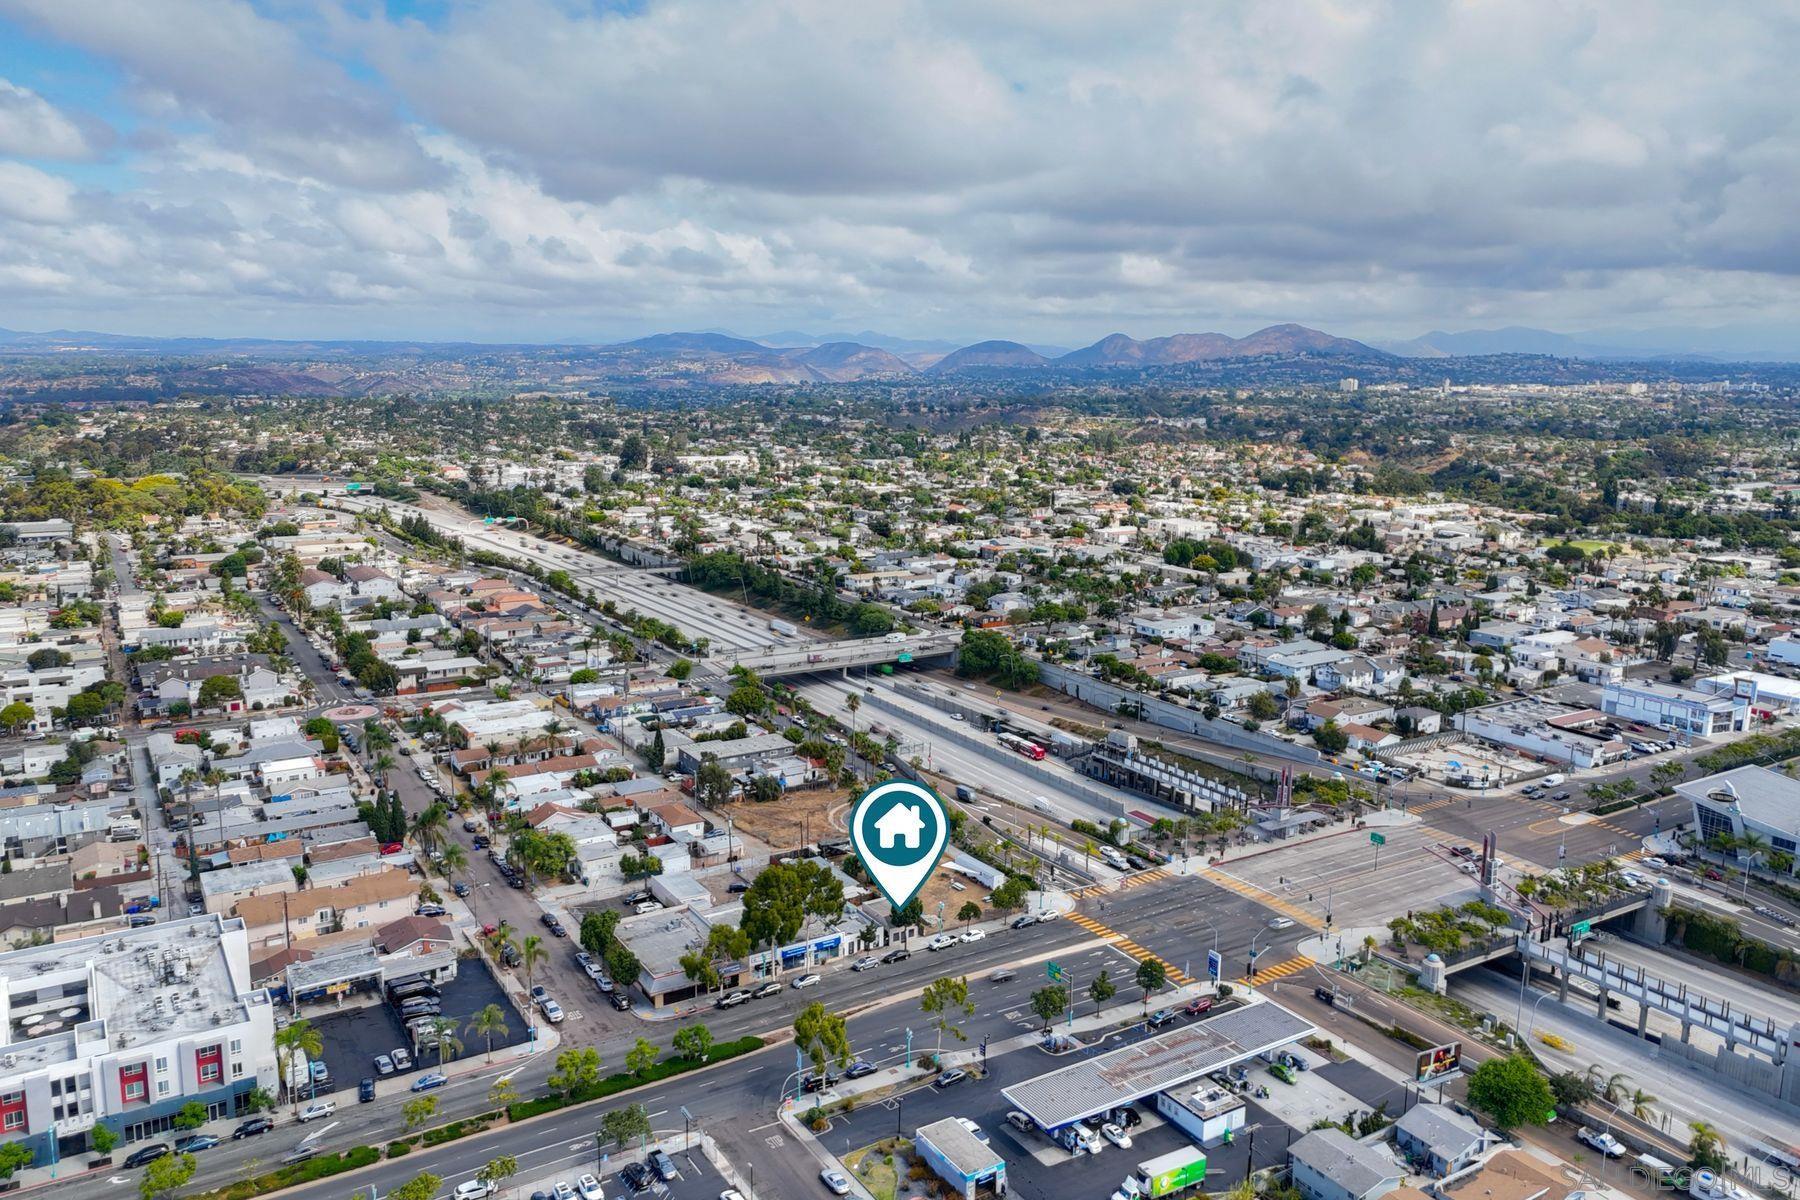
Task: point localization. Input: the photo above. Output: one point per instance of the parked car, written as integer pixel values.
(553, 1012)
(620, 1001)
(252, 1128)
(429, 1080)
(1116, 1135)
(562, 1190)
(950, 1078)
(365, 1090)
(664, 1166)
(474, 1189)
(771, 988)
(732, 999)
(1161, 1017)
(737, 889)
(194, 1143)
(819, 1083)
(866, 963)
(460, 888)
(835, 1182)
(147, 1155)
(1024, 921)
(315, 1111)
(859, 1068)
(898, 955)
(636, 1176)
(429, 910)
(1198, 1005)
(1020, 1121)
(403, 1059)
(509, 955)
(589, 1188)
(940, 941)
(810, 979)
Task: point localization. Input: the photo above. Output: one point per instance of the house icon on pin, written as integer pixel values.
(903, 823)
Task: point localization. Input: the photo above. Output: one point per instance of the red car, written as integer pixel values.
(392, 848)
(1198, 1005)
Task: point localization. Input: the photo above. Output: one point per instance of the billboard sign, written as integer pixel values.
(1438, 1062)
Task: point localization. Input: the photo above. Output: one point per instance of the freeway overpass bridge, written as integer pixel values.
(819, 657)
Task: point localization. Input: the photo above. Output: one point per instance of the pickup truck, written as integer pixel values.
(1603, 1142)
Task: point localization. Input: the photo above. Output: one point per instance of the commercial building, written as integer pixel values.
(960, 1159)
(125, 1028)
(1557, 733)
(1667, 706)
(1749, 800)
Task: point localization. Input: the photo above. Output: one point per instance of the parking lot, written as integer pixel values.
(1352, 877)
(355, 1036)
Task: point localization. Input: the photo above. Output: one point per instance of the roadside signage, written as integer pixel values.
(1215, 965)
(1377, 839)
(1438, 1062)
(1053, 972)
(1580, 929)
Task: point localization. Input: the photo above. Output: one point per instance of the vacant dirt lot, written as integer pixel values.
(797, 818)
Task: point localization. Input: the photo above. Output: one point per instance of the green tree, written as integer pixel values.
(641, 1057)
(821, 1035)
(298, 1036)
(101, 1137)
(417, 1112)
(783, 896)
(1512, 1091)
(1151, 975)
(16, 1156)
(218, 689)
(970, 911)
(16, 716)
(576, 1071)
(192, 1115)
(1101, 989)
(1706, 1147)
(498, 1170)
(624, 1125)
(166, 1176)
(942, 1000)
(693, 1042)
(1049, 1003)
(712, 783)
(423, 1186)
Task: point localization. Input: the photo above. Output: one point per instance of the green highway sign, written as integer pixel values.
(1053, 972)
(1377, 839)
(1581, 928)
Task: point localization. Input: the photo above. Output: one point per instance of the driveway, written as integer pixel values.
(355, 1036)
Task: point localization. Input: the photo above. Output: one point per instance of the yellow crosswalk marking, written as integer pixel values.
(1171, 972)
(1264, 897)
(1280, 970)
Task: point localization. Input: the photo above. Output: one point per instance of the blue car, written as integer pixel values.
(425, 1083)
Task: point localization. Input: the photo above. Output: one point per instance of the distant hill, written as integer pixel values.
(840, 362)
(707, 343)
(989, 354)
(1119, 350)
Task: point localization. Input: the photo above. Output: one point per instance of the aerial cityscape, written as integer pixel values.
(898, 601)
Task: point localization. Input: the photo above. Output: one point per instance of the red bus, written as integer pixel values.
(1025, 746)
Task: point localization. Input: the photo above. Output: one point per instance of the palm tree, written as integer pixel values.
(853, 703)
(489, 1023)
(1750, 845)
(531, 956)
(1612, 1090)
(453, 860)
(299, 1035)
(384, 762)
(448, 1044)
(428, 825)
(1088, 850)
(1641, 1101)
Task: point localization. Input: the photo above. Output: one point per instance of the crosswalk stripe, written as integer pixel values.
(1280, 970)
(1171, 972)
(1265, 897)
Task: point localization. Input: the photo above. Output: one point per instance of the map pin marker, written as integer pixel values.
(899, 830)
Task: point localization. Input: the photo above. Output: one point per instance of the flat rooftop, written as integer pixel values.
(160, 981)
(1156, 1064)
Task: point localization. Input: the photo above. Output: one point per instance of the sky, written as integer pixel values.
(1046, 170)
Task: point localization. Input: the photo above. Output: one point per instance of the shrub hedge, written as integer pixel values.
(624, 1081)
(322, 1167)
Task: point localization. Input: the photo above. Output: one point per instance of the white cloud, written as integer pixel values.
(28, 194)
(32, 127)
(1045, 170)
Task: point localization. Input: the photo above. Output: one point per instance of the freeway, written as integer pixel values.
(845, 655)
(724, 623)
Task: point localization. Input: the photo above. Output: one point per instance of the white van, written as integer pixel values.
(1550, 780)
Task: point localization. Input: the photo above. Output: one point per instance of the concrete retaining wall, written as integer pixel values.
(1157, 711)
